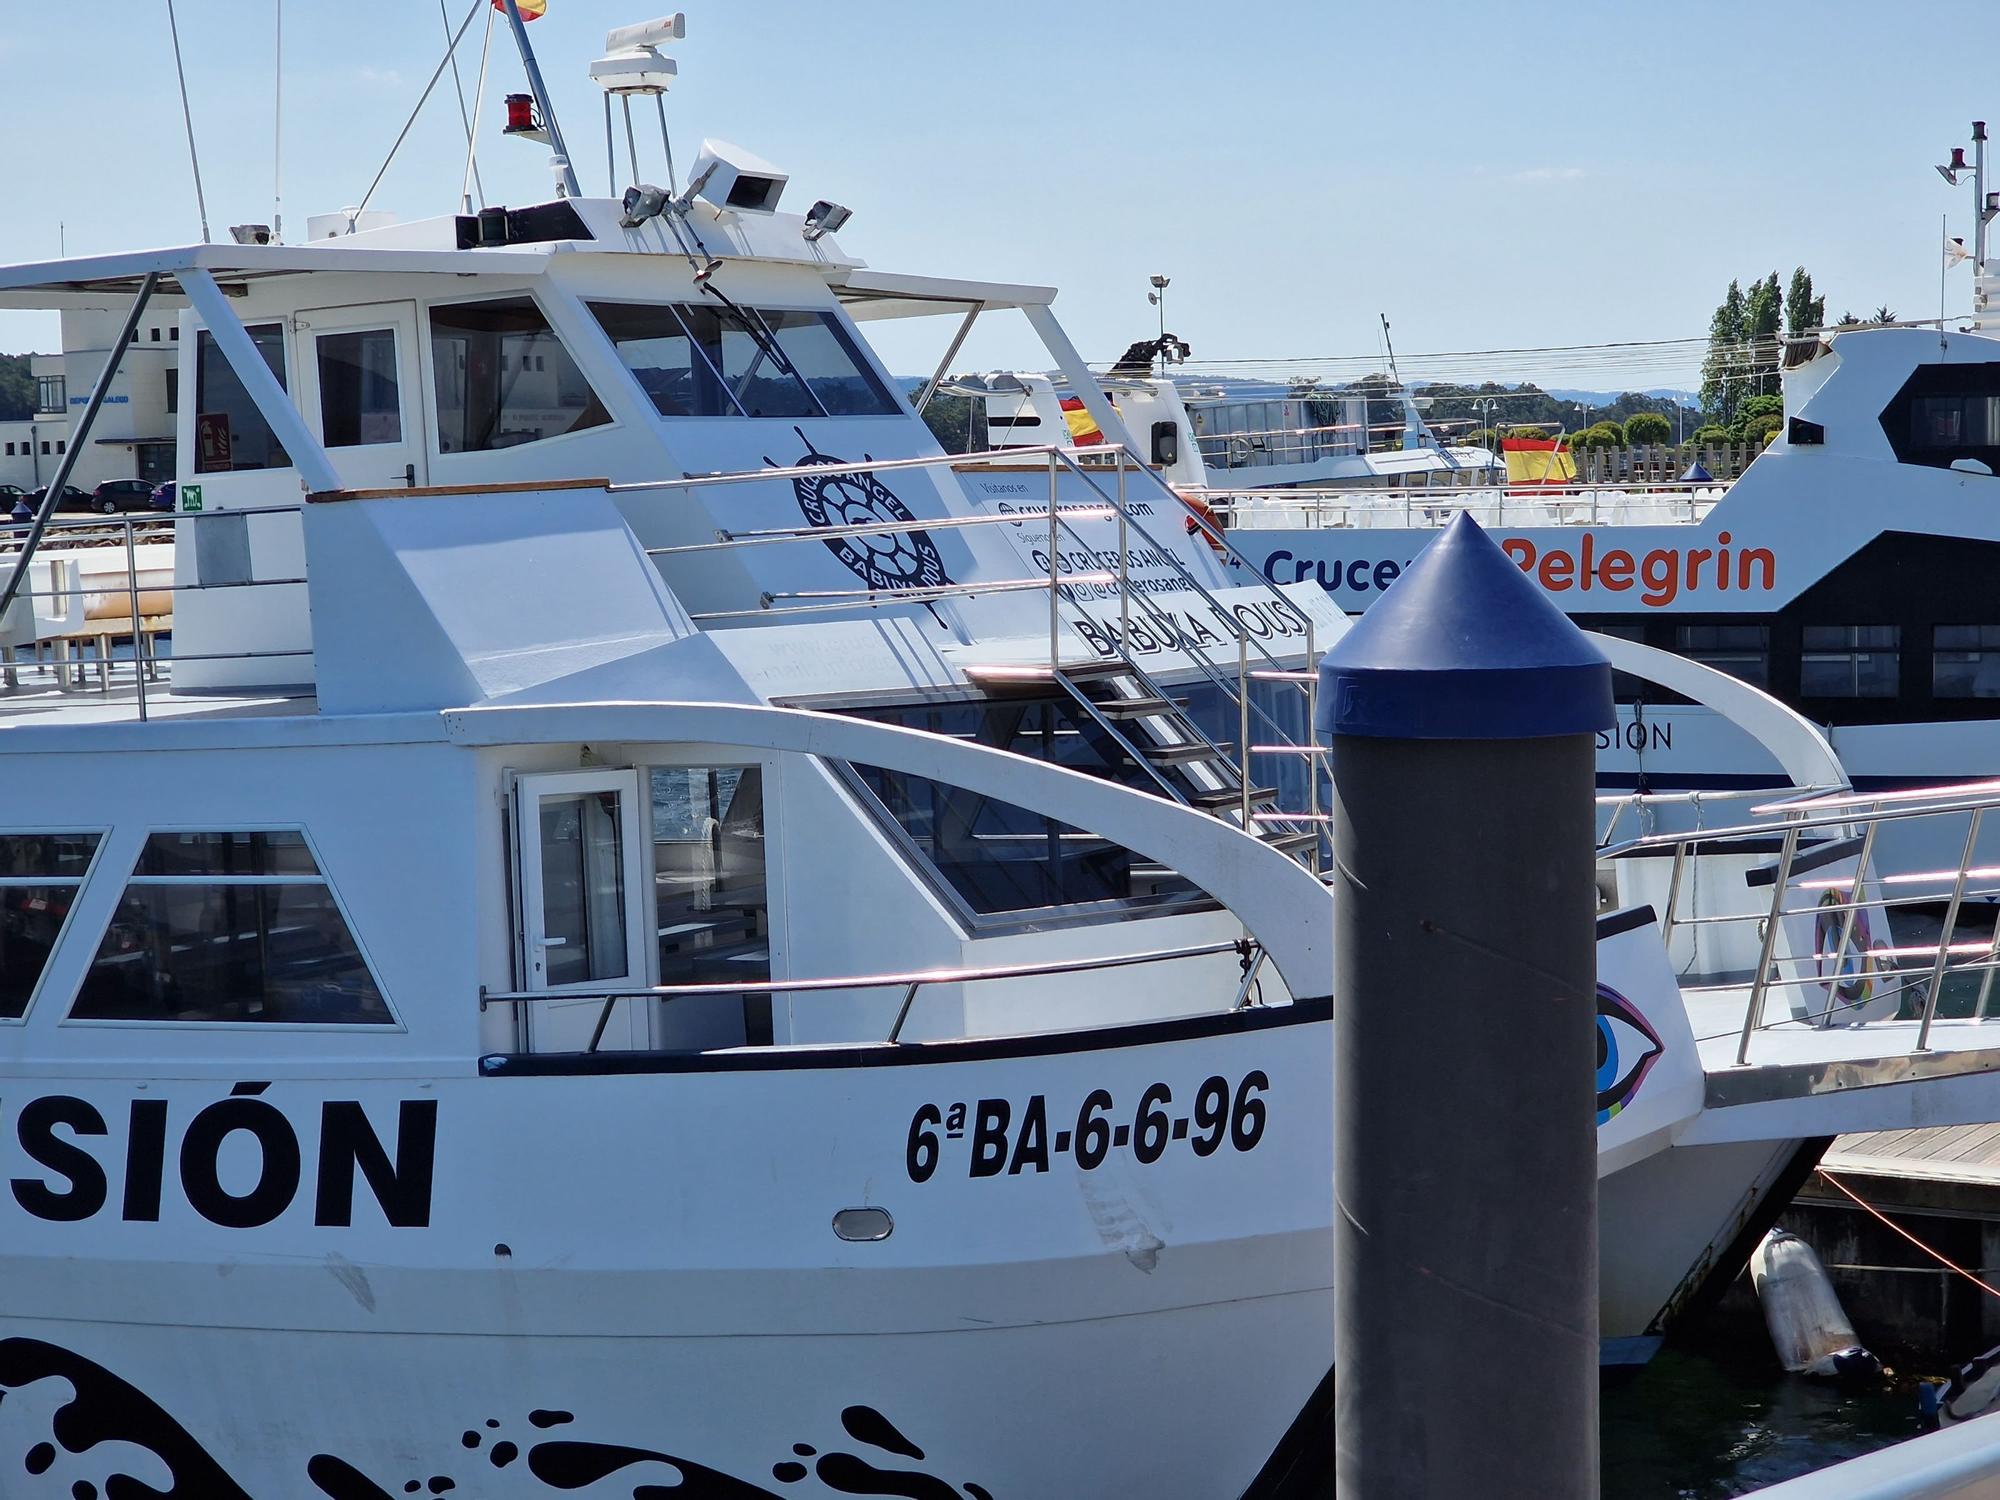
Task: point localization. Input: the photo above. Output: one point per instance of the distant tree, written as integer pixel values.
(1599, 435)
(17, 388)
(1719, 388)
(954, 422)
(1848, 320)
(1758, 430)
(1803, 311)
(1643, 428)
(1714, 434)
(1529, 434)
(1761, 406)
(1883, 315)
(1763, 315)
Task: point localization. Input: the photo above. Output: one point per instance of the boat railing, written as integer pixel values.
(1105, 471)
(1418, 507)
(61, 545)
(1828, 939)
(911, 983)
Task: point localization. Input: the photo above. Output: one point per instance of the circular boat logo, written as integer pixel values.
(1848, 976)
(899, 559)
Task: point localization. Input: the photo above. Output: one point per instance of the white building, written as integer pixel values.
(133, 437)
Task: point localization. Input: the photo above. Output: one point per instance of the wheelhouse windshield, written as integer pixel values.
(726, 360)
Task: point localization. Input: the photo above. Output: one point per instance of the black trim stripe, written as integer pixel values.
(909, 1054)
(1613, 923)
(1806, 861)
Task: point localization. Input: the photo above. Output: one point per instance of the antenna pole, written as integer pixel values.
(1978, 197)
(187, 118)
(278, 134)
(566, 174)
(478, 113)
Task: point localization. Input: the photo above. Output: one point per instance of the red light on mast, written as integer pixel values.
(520, 114)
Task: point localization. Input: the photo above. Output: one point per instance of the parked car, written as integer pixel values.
(72, 498)
(166, 496)
(115, 495)
(9, 493)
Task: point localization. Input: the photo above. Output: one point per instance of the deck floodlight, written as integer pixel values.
(825, 217)
(642, 203)
(732, 178)
(250, 234)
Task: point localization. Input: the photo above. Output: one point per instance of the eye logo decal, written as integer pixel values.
(900, 559)
(1627, 1048)
(1854, 981)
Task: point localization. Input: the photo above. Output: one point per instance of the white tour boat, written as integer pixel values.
(653, 935)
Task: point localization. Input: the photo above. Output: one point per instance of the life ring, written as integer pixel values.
(1203, 512)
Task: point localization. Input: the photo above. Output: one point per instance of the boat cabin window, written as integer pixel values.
(39, 876)
(504, 378)
(358, 399)
(996, 857)
(717, 360)
(231, 927)
(1743, 651)
(230, 433)
(1947, 412)
(1849, 661)
(1965, 661)
(711, 899)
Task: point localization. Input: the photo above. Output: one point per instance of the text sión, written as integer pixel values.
(155, 1149)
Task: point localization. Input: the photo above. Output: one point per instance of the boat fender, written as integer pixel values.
(1809, 1329)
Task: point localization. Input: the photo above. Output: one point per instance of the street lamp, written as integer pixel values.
(1489, 405)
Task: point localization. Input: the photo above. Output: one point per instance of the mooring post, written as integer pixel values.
(1463, 710)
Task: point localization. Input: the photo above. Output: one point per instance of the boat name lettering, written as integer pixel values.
(1662, 573)
(1265, 621)
(1010, 1140)
(1636, 735)
(1040, 512)
(67, 1181)
(1358, 574)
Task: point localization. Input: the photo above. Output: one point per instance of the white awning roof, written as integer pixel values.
(96, 280)
(887, 294)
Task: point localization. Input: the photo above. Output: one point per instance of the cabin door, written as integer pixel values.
(584, 908)
(360, 384)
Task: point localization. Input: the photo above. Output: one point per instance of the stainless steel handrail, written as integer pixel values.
(911, 981)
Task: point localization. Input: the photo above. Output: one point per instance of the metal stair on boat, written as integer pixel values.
(1155, 732)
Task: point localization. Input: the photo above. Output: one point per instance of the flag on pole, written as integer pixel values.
(1083, 428)
(1532, 461)
(531, 10)
(1954, 251)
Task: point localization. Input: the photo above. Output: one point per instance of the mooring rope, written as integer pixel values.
(1941, 1259)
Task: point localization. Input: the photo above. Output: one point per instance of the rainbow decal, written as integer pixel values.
(1627, 1049)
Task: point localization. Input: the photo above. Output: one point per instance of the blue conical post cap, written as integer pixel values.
(1696, 474)
(1464, 647)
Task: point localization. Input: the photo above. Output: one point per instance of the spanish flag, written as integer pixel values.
(1533, 461)
(531, 10)
(1083, 428)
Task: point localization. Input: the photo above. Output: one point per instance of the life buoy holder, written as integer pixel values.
(1203, 511)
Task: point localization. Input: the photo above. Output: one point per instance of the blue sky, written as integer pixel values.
(1489, 176)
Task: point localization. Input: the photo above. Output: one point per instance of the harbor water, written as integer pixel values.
(1717, 1417)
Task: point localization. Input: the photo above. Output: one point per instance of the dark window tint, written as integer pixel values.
(229, 927)
(1965, 661)
(1743, 651)
(999, 857)
(716, 359)
(230, 433)
(358, 399)
(282, 852)
(1849, 661)
(488, 396)
(39, 877)
(173, 391)
(1947, 412)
